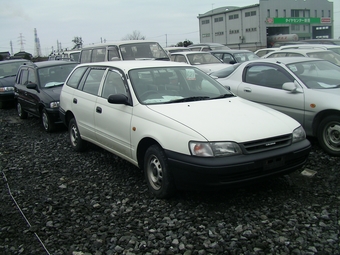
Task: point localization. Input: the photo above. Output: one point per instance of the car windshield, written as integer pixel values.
(202, 59)
(10, 68)
(317, 74)
(145, 50)
(161, 85)
(52, 76)
(326, 55)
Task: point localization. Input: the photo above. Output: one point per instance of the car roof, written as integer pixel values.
(300, 51)
(133, 64)
(231, 51)
(310, 46)
(51, 63)
(117, 43)
(14, 60)
(191, 52)
(283, 60)
(206, 44)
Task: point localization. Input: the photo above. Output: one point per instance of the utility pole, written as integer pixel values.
(21, 42)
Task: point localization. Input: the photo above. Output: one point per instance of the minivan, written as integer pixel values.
(123, 50)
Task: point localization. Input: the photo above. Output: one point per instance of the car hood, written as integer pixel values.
(53, 93)
(233, 119)
(7, 81)
(208, 68)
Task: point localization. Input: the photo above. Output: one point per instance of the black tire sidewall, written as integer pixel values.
(81, 144)
(168, 187)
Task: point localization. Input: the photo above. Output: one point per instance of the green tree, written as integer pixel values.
(185, 43)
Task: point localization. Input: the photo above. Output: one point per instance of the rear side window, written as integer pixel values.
(98, 55)
(85, 56)
(93, 80)
(76, 76)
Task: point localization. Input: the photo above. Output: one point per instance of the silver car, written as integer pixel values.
(307, 89)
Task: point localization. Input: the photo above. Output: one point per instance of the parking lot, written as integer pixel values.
(56, 201)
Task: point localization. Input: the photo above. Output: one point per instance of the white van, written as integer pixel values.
(123, 50)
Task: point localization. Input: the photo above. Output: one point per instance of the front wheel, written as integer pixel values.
(46, 121)
(157, 173)
(329, 135)
(77, 143)
(21, 113)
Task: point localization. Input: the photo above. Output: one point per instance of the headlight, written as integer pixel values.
(214, 149)
(299, 134)
(54, 104)
(5, 89)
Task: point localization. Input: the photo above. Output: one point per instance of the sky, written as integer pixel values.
(60, 21)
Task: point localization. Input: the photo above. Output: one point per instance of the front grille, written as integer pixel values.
(266, 144)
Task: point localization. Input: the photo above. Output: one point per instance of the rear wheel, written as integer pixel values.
(46, 121)
(329, 135)
(77, 143)
(21, 113)
(157, 173)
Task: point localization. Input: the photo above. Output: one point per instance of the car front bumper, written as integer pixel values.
(7, 96)
(190, 171)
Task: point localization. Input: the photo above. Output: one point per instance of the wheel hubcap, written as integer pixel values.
(332, 136)
(19, 110)
(74, 135)
(45, 120)
(155, 173)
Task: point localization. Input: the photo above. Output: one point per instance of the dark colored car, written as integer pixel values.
(8, 71)
(234, 56)
(37, 90)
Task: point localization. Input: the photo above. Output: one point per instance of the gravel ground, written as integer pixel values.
(56, 201)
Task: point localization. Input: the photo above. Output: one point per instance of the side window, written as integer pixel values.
(93, 80)
(277, 55)
(113, 54)
(22, 78)
(180, 58)
(85, 56)
(98, 55)
(267, 76)
(113, 84)
(76, 76)
(32, 78)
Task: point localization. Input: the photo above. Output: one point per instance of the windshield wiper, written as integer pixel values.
(189, 99)
(223, 96)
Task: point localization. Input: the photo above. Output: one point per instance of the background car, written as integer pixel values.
(332, 47)
(261, 52)
(37, 90)
(203, 60)
(8, 71)
(208, 47)
(178, 125)
(170, 50)
(234, 56)
(312, 53)
(307, 89)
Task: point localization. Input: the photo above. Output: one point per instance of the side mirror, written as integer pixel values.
(292, 87)
(118, 99)
(32, 86)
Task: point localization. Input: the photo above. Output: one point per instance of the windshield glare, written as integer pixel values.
(317, 74)
(164, 85)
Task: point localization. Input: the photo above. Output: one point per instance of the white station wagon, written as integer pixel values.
(179, 125)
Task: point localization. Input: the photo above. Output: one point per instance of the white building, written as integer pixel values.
(249, 26)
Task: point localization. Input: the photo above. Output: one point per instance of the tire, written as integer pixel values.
(21, 113)
(157, 173)
(77, 143)
(329, 135)
(46, 121)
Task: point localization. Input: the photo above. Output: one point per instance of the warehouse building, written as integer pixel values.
(260, 25)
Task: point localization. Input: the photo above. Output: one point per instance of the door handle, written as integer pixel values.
(75, 100)
(98, 109)
(247, 90)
